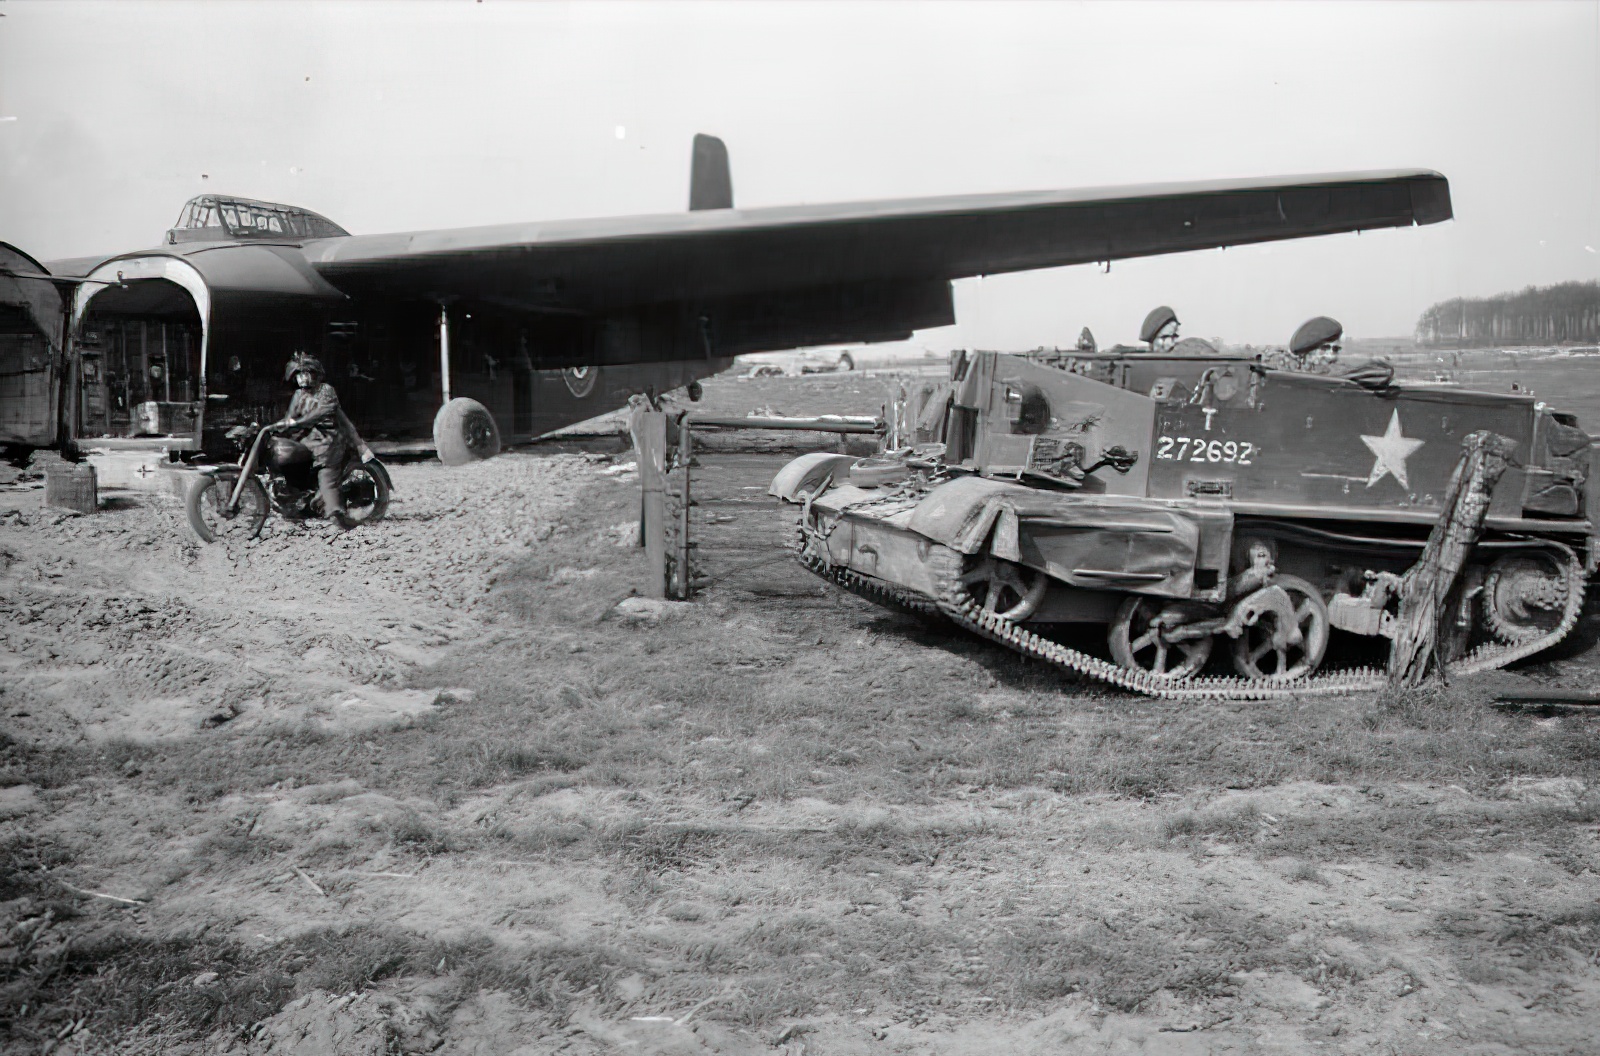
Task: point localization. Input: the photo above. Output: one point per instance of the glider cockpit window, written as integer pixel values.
(243, 218)
(265, 220)
(250, 219)
(199, 213)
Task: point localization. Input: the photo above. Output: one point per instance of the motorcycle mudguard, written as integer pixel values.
(379, 469)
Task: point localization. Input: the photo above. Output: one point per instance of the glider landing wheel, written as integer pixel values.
(464, 431)
(1139, 643)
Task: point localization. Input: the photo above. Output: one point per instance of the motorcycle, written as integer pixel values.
(276, 473)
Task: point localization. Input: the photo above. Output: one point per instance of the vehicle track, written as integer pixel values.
(957, 605)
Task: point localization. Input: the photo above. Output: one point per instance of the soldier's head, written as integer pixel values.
(1316, 343)
(1160, 329)
(305, 369)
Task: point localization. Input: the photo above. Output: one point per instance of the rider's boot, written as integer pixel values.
(332, 500)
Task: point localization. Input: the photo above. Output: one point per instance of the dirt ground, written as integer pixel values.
(427, 787)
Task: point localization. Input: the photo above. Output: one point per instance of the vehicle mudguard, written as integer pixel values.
(806, 474)
(1089, 541)
(962, 513)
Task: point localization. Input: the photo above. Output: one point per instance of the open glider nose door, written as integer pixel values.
(32, 325)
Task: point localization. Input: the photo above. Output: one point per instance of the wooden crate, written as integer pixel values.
(71, 486)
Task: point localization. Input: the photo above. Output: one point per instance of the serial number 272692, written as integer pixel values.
(1199, 449)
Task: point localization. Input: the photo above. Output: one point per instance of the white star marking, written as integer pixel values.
(1392, 449)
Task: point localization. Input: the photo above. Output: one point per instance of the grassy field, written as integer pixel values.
(778, 819)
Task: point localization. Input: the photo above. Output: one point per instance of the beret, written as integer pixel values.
(1314, 332)
(1155, 321)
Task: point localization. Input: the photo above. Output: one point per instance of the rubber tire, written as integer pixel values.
(380, 481)
(464, 431)
(253, 495)
(382, 470)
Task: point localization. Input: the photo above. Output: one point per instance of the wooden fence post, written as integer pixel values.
(1426, 585)
(683, 566)
(648, 427)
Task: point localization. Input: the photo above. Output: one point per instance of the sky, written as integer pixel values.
(415, 115)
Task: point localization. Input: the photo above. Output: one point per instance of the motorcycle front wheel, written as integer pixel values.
(208, 513)
(365, 489)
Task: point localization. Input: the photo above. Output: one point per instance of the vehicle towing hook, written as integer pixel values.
(1118, 458)
(1250, 608)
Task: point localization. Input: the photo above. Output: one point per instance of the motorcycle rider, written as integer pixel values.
(314, 420)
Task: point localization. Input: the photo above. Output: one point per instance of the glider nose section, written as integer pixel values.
(29, 351)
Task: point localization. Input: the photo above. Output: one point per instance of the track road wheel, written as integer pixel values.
(464, 431)
(1138, 645)
(1255, 656)
(208, 513)
(1007, 590)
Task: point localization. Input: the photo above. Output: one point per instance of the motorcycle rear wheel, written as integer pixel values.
(212, 522)
(365, 489)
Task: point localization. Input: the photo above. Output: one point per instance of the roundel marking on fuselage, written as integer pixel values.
(581, 380)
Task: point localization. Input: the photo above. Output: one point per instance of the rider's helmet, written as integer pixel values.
(304, 361)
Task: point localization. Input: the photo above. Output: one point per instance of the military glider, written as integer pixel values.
(523, 328)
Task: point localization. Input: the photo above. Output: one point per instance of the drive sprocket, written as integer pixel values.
(1523, 596)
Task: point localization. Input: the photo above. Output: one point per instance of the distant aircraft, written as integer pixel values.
(482, 333)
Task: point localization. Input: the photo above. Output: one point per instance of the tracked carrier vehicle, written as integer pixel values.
(1223, 521)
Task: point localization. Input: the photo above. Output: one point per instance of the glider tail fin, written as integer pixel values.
(710, 183)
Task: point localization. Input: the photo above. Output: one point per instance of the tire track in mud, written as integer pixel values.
(124, 624)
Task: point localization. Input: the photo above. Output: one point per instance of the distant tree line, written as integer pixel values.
(1567, 313)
